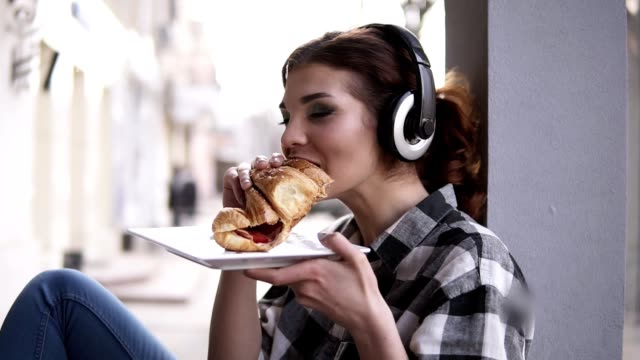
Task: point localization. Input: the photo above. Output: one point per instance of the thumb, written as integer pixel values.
(340, 245)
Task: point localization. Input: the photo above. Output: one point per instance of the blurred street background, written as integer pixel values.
(121, 113)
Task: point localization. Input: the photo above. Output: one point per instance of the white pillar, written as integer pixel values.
(62, 85)
(98, 237)
(19, 74)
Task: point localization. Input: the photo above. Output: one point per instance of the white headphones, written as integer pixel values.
(406, 127)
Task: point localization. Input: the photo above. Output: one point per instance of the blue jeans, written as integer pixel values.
(63, 314)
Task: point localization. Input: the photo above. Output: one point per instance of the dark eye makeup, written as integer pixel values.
(315, 112)
(285, 117)
(318, 111)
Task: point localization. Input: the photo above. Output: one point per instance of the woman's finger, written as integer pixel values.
(276, 159)
(341, 246)
(301, 271)
(238, 192)
(232, 183)
(244, 176)
(260, 162)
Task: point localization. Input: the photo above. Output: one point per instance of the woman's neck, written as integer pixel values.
(381, 201)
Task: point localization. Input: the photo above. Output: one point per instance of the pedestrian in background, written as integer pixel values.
(183, 196)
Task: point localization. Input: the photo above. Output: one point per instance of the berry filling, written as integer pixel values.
(261, 234)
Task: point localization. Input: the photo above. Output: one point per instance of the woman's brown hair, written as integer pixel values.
(384, 70)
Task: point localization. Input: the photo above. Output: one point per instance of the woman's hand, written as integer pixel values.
(235, 325)
(237, 179)
(346, 291)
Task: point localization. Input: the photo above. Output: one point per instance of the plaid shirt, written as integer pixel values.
(453, 287)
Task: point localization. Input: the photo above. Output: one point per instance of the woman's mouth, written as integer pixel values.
(311, 161)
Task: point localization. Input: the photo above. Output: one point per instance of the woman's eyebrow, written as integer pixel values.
(308, 98)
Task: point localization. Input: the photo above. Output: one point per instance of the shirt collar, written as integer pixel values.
(413, 227)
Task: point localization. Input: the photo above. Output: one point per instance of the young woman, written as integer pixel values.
(435, 284)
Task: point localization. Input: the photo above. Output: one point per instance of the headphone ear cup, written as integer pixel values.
(395, 127)
(404, 118)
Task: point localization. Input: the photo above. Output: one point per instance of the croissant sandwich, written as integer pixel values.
(279, 198)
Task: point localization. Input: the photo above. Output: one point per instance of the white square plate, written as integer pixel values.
(196, 243)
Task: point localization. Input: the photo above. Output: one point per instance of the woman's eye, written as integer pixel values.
(285, 119)
(320, 112)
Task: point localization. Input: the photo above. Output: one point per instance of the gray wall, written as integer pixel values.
(557, 160)
(632, 289)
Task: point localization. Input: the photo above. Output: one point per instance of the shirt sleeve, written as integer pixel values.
(270, 307)
(483, 312)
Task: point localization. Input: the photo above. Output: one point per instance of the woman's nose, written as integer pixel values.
(294, 135)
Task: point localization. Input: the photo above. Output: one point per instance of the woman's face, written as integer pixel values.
(326, 125)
